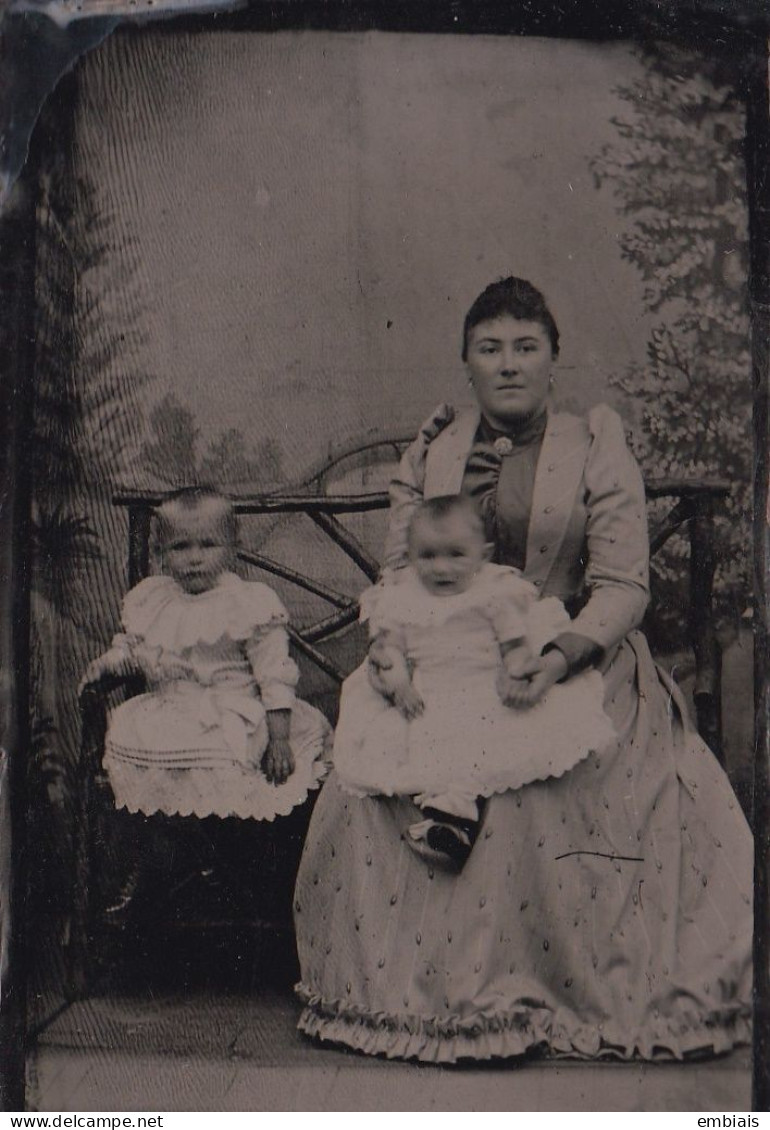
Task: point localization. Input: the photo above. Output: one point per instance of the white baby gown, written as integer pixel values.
(466, 739)
(193, 746)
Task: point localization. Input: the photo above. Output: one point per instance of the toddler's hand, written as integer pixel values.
(407, 701)
(278, 761)
(104, 666)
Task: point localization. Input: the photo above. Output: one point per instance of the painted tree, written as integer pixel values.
(229, 460)
(677, 171)
(86, 410)
(169, 453)
(171, 456)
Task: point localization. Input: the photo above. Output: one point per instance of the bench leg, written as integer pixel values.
(708, 652)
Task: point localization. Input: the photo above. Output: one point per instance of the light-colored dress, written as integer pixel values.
(466, 739)
(193, 746)
(604, 913)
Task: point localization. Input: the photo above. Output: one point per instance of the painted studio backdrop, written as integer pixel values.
(255, 252)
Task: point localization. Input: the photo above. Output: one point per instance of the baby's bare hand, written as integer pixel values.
(408, 702)
(278, 761)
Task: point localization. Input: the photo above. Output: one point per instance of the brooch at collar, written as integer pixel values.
(503, 446)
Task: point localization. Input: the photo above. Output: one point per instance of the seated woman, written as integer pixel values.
(439, 729)
(606, 912)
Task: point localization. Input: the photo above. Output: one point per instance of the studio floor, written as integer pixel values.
(232, 1053)
(210, 1031)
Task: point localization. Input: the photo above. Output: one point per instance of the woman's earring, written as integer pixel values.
(551, 381)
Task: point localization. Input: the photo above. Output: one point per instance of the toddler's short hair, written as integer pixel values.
(192, 500)
(448, 506)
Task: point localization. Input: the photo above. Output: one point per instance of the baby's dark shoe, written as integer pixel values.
(442, 839)
(452, 841)
(452, 835)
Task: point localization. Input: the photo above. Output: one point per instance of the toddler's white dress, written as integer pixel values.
(466, 739)
(193, 746)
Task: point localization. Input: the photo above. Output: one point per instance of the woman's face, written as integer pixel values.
(509, 363)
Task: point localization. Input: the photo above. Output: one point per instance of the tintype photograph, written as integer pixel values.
(384, 556)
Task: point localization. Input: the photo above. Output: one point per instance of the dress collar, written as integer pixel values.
(529, 431)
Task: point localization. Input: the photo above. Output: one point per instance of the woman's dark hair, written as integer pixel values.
(517, 298)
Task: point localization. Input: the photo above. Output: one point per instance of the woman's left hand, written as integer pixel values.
(544, 672)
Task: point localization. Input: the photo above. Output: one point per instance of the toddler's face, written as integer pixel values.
(447, 553)
(196, 551)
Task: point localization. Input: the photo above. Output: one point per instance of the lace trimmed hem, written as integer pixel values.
(522, 1031)
(226, 790)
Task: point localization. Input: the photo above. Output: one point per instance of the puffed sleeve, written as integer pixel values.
(385, 617)
(406, 488)
(617, 541)
(508, 603)
(274, 669)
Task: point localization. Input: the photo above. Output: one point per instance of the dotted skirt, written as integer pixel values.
(603, 914)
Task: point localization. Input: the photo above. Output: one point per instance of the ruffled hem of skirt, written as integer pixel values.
(523, 1031)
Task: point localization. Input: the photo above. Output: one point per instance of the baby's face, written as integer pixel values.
(447, 553)
(196, 551)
